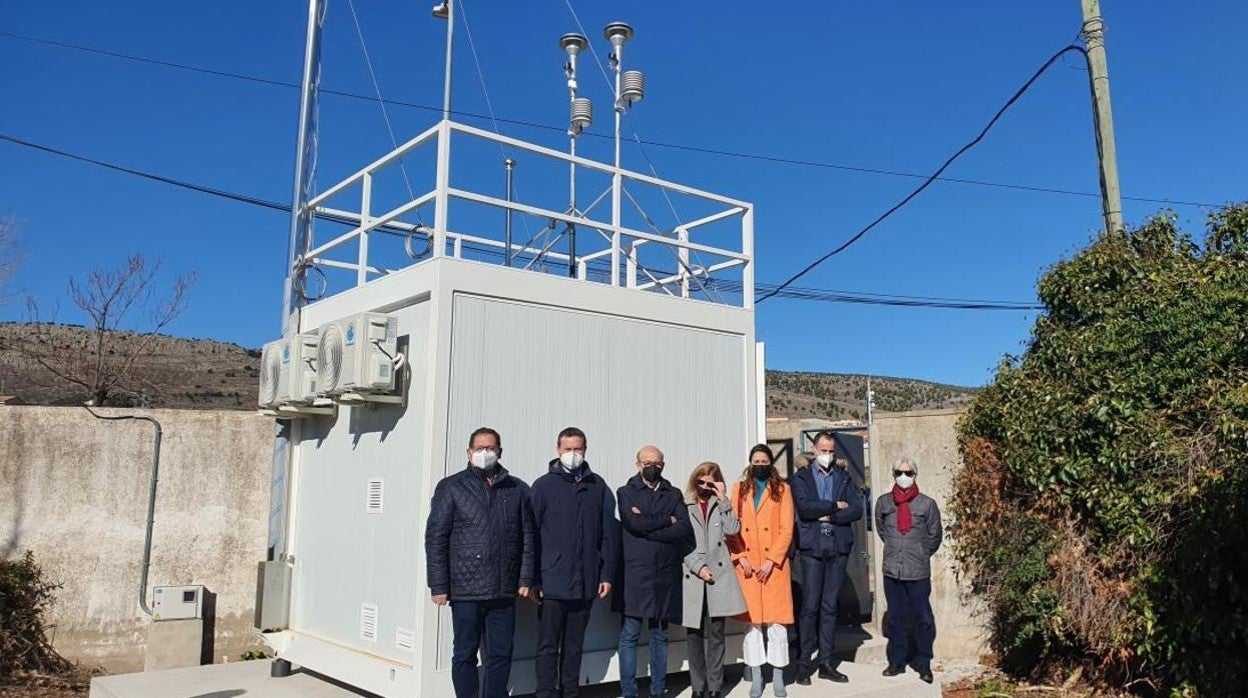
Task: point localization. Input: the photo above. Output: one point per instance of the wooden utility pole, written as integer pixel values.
(1107, 153)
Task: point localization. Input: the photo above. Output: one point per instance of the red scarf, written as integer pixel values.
(902, 499)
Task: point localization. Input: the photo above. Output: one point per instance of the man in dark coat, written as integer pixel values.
(480, 550)
(827, 503)
(578, 545)
(657, 536)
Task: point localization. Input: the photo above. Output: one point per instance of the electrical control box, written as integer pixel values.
(178, 603)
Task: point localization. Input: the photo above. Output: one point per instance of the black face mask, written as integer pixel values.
(761, 472)
(651, 473)
(704, 493)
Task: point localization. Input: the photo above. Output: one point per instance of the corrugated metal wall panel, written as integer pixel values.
(346, 557)
(530, 370)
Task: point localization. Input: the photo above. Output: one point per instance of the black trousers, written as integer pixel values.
(560, 635)
(909, 601)
(822, 578)
(496, 620)
(706, 653)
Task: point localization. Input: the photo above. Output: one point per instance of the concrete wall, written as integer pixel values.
(930, 439)
(73, 490)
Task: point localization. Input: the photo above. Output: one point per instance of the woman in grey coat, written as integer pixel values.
(711, 590)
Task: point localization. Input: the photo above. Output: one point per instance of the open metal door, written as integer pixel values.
(855, 604)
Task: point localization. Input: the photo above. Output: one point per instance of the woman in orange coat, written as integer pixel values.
(765, 505)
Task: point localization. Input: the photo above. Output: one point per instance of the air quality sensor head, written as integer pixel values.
(573, 43)
(618, 33)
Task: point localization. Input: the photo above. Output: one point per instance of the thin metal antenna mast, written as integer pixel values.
(510, 166)
(446, 10)
(582, 115)
(629, 89)
(305, 156)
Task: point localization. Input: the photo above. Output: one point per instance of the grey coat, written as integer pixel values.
(909, 557)
(723, 597)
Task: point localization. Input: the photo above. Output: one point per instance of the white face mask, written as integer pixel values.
(485, 458)
(905, 482)
(571, 460)
(825, 460)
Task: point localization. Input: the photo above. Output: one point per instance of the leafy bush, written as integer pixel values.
(25, 596)
(1101, 509)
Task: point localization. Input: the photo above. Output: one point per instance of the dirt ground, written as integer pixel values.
(38, 686)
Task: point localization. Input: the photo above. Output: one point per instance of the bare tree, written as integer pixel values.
(9, 256)
(103, 366)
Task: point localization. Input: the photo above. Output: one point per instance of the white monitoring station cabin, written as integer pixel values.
(465, 304)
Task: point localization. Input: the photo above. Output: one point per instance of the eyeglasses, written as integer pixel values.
(709, 484)
(899, 473)
(648, 463)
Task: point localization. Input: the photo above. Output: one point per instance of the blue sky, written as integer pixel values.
(893, 86)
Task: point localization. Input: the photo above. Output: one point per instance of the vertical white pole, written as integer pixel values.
(683, 255)
(450, 54)
(760, 390)
(631, 265)
(366, 202)
(747, 249)
(510, 166)
(617, 188)
(572, 207)
(441, 196)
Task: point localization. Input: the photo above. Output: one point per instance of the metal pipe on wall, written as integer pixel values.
(151, 498)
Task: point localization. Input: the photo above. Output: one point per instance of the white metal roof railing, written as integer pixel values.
(615, 243)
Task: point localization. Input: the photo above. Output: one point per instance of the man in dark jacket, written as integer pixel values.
(480, 549)
(578, 544)
(909, 524)
(827, 503)
(657, 536)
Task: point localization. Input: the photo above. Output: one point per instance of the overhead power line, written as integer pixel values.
(931, 178)
(823, 295)
(760, 157)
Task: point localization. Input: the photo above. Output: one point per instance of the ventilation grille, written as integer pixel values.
(368, 622)
(405, 639)
(329, 372)
(374, 497)
(270, 373)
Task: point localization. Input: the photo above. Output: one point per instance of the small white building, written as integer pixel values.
(634, 333)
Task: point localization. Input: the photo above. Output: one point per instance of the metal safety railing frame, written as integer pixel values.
(622, 242)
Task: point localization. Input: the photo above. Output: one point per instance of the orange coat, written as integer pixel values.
(766, 533)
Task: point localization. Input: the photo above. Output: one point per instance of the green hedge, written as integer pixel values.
(1101, 510)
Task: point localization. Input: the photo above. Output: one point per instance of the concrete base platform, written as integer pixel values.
(251, 680)
(233, 680)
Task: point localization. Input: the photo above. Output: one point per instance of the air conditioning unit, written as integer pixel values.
(288, 371)
(358, 355)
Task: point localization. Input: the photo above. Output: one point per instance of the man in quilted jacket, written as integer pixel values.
(480, 548)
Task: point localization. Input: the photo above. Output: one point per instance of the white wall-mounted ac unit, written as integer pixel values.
(358, 355)
(288, 370)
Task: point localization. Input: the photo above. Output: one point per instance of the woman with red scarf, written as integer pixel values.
(909, 524)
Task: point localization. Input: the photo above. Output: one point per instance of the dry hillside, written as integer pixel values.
(839, 396)
(189, 373)
(204, 374)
